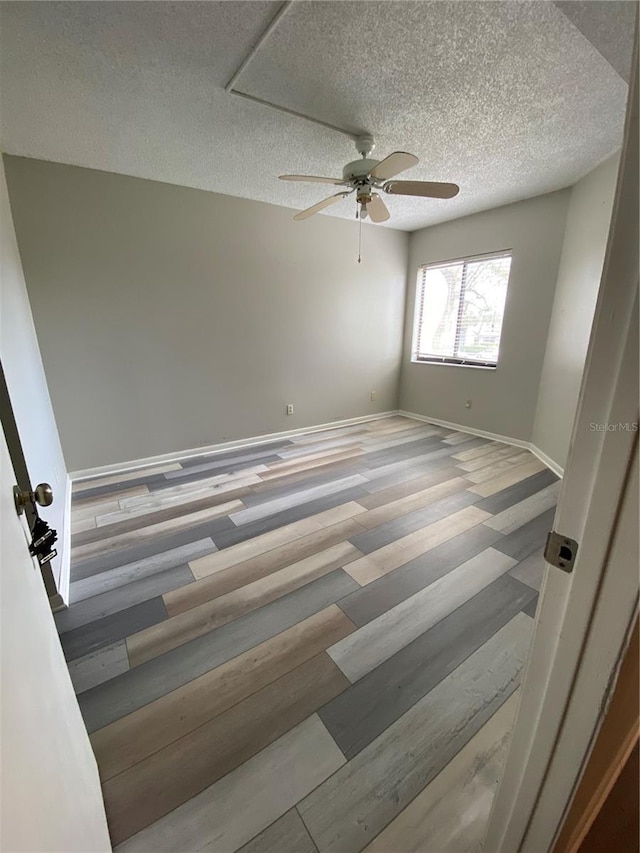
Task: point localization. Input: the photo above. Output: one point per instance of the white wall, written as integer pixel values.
(586, 234)
(50, 797)
(20, 356)
(504, 399)
(171, 318)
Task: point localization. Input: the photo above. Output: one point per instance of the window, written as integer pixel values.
(459, 310)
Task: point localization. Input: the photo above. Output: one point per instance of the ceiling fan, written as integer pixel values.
(366, 175)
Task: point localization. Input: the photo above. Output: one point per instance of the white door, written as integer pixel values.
(584, 618)
(50, 792)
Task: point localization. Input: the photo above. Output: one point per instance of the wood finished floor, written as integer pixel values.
(311, 644)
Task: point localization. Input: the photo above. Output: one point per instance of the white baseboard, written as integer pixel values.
(548, 461)
(61, 599)
(212, 449)
(493, 436)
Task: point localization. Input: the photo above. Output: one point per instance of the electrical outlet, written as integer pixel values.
(289, 408)
(373, 396)
(467, 405)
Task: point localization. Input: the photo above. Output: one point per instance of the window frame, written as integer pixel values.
(454, 361)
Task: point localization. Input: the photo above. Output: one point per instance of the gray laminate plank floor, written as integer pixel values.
(342, 729)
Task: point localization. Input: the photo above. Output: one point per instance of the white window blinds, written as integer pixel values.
(459, 310)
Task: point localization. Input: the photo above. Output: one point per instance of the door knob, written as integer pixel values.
(41, 495)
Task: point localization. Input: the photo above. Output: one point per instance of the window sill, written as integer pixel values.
(450, 364)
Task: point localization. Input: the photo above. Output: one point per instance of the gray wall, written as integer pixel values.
(504, 399)
(20, 356)
(587, 230)
(171, 318)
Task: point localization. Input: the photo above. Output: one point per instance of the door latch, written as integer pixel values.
(560, 551)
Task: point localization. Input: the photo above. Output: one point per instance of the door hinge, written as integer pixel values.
(560, 551)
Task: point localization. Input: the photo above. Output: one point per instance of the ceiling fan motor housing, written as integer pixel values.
(358, 169)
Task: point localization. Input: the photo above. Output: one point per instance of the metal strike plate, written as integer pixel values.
(560, 551)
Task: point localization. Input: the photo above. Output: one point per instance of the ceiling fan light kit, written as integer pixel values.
(367, 175)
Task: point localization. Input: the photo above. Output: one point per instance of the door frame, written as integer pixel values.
(585, 618)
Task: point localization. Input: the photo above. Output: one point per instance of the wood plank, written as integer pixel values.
(234, 535)
(529, 537)
(490, 447)
(126, 540)
(83, 503)
(80, 525)
(531, 570)
(452, 812)
(348, 810)
(478, 462)
(422, 463)
(370, 541)
(458, 437)
(161, 507)
(232, 811)
(378, 640)
(515, 516)
(199, 620)
(134, 737)
(254, 513)
(154, 547)
(297, 451)
(376, 598)
(94, 509)
(417, 500)
(315, 476)
(286, 835)
(212, 464)
(112, 489)
(87, 638)
(257, 567)
(508, 478)
(139, 796)
(108, 702)
(98, 666)
(273, 539)
(403, 452)
(225, 473)
(384, 442)
(235, 453)
(313, 455)
(518, 492)
(99, 606)
(531, 607)
(232, 487)
(408, 487)
(80, 486)
(362, 712)
(491, 471)
(381, 562)
(130, 572)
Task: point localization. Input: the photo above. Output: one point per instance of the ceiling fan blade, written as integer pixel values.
(377, 209)
(305, 214)
(313, 179)
(392, 165)
(426, 189)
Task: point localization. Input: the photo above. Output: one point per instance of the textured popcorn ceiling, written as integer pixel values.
(508, 99)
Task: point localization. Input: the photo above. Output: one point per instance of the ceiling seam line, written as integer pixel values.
(229, 88)
(282, 11)
(295, 113)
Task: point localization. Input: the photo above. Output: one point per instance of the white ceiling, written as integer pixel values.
(508, 99)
